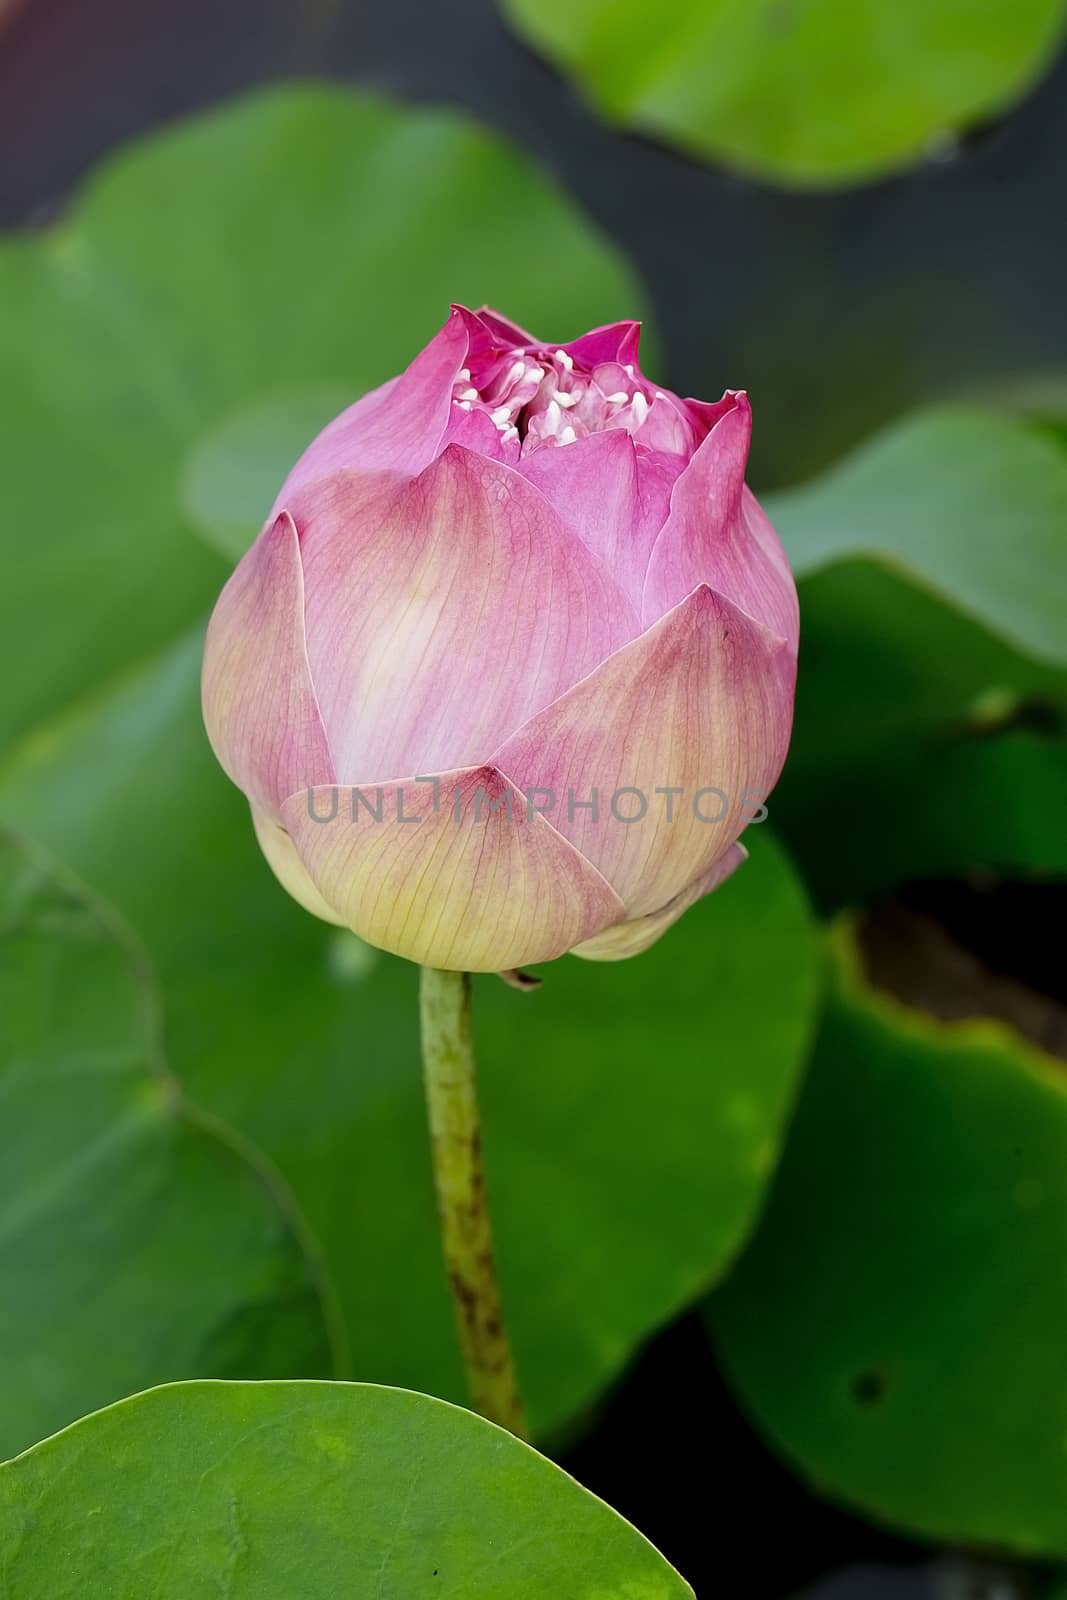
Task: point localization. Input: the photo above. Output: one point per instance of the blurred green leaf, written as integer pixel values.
(139, 1241)
(99, 567)
(896, 1326)
(307, 1491)
(922, 743)
(974, 506)
(235, 471)
(819, 93)
(942, 808)
(302, 240)
(932, 700)
(634, 1112)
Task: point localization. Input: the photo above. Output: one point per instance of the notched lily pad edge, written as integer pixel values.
(176, 1102)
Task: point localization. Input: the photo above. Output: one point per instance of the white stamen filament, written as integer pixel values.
(529, 407)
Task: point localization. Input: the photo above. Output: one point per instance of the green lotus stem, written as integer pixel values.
(462, 1203)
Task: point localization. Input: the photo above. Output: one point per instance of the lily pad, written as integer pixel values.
(970, 504)
(139, 1240)
(812, 94)
(895, 1325)
(922, 745)
(307, 1491)
(303, 239)
(234, 472)
(932, 701)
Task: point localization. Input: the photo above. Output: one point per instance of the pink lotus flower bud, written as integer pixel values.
(511, 665)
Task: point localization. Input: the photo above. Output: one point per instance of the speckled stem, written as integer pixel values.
(462, 1204)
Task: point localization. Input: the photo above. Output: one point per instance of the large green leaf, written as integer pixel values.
(308, 1491)
(922, 744)
(933, 691)
(139, 1242)
(897, 1324)
(304, 237)
(634, 1111)
(973, 505)
(819, 93)
(234, 472)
